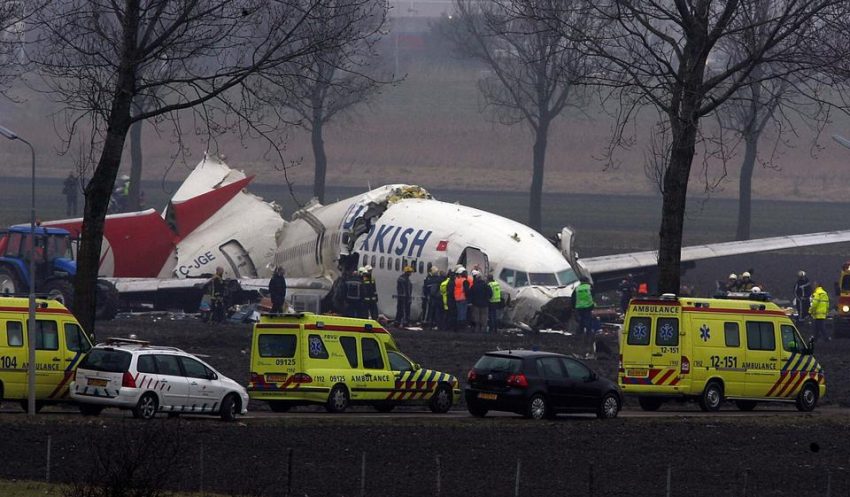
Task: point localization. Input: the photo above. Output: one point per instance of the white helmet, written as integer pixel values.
(756, 290)
(745, 274)
(801, 274)
(733, 276)
(361, 269)
(475, 272)
(460, 269)
(367, 268)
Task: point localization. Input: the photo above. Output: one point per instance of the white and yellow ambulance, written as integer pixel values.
(712, 350)
(60, 343)
(335, 361)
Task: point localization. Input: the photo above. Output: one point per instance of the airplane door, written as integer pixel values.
(239, 260)
(472, 257)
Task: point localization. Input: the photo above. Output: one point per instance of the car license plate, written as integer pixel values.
(637, 372)
(276, 378)
(97, 382)
(487, 396)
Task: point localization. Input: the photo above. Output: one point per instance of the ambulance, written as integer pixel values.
(711, 350)
(305, 358)
(60, 344)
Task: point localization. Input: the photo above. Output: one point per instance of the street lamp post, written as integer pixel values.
(11, 135)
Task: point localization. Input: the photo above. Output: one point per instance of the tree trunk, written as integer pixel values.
(321, 161)
(135, 166)
(673, 204)
(100, 187)
(745, 189)
(535, 205)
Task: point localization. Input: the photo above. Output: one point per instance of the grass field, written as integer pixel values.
(605, 223)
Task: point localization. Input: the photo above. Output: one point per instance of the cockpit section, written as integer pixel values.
(518, 279)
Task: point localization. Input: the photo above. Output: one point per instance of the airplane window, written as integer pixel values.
(398, 264)
(567, 277)
(421, 267)
(544, 279)
(429, 268)
(521, 279)
(365, 260)
(373, 261)
(507, 275)
(382, 262)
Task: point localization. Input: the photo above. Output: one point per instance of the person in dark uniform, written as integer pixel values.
(404, 294)
(430, 296)
(369, 292)
(70, 188)
(802, 295)
(217, 291)
(627, 290)
(353, 298)
(277, 290)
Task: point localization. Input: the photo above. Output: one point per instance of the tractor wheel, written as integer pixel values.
(9, 281)
(60, 290)
(107, 301)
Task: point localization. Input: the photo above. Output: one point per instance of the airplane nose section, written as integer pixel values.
(542, 307)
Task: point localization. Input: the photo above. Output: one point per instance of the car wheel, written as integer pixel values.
(609, 407)
(337, 400)
(279, 406)
(384, 407)
(229, 408)
(9, 282)
(807, 399)
(90, 409)
(745, 405)
(476, 410)
(442, 400)
(147, 407)
(712, 397)
(650, 403)
(537, 407)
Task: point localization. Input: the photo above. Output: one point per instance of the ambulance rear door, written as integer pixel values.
(665, 350)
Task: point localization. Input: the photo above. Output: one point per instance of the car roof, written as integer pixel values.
(524, 354)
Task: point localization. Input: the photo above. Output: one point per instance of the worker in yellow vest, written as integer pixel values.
(495, 304)
(819, 309)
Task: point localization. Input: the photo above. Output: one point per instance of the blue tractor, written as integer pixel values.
(55, 267)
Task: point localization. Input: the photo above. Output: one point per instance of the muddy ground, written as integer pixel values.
(760, 454)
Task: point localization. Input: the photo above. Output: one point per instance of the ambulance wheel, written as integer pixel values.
(90, 409)
(147, 407)
(229, 408)
(712, 397)
(609, 407)
(384, 407)
(537, 407)
(279, 406)
(807, 399)
(338, 399)
(442, 400)
(649, 403)
(746, 405)
(476, 410)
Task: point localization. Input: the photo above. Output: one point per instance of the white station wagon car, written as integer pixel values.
(132, 374)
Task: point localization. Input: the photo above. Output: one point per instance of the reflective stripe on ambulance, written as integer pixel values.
(795, 371)
(657, 376)
(413, 385)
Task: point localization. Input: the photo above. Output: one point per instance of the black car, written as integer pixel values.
(538, 385)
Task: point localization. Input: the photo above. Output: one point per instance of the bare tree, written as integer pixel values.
(334, 81)
(659, 52)
(535, 73)
(99, 56)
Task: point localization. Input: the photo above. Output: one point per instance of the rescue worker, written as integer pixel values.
(437, 299)
(627, 289)
(495, 304)
(583, 304)
(353, 298)
(460, 288)
(429, 301)
(819, 309)
(216, 289)
(404, 295)
(445, 293)
(746, 284)
(369, 292)
(277, 290)
(732, 284)
(802, 295)
(479, 299)
(70, 188)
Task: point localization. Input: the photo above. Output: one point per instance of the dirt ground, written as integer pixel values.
(763, 453)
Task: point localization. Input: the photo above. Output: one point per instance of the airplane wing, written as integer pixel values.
(603, 266)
